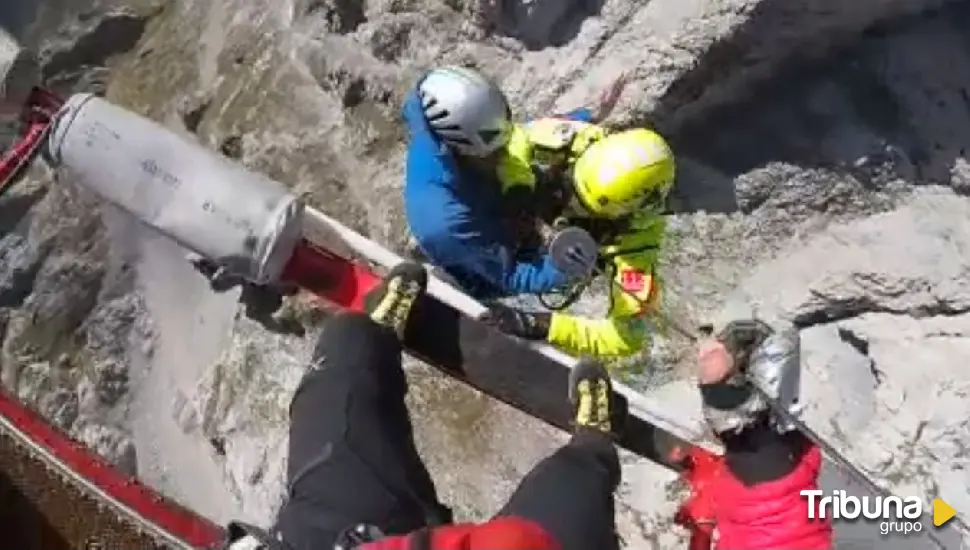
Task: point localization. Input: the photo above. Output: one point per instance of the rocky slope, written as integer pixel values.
(822, 181)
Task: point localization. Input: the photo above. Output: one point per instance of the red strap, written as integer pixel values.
(22, 151)
(37, 116)
(697, 514)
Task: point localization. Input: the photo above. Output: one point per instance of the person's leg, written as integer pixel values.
(570, 493)
(352, 455)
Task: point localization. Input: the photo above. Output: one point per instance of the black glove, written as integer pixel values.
(531, 325)
(219, 279)
(261, 301)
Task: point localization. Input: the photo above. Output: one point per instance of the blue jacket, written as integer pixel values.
(457, 220)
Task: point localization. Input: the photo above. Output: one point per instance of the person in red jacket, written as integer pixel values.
(354, 477)
(752, 493)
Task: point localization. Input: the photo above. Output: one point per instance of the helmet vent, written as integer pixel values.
(457, 139)
(434, 117)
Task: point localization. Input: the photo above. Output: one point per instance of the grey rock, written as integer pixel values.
(960, 176)
(30, 382)
(111, 443)
(699, 55)
(909, 261)
(61, 407)
(884, 303)
(19, 73)
(19, 265)
(107, 327)
(66, 289)
(111, 381)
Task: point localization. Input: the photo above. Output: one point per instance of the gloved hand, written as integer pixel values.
(261, 301)
(530, 325)
(220, 280)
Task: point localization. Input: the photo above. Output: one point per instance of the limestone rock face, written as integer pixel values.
(823, 172)
(19, 72)
(884, 302)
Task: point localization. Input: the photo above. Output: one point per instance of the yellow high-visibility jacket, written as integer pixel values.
(630, 258)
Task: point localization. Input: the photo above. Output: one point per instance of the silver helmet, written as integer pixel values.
(466, 110)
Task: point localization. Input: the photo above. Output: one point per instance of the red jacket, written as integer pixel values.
(772, 514)
(506, 533)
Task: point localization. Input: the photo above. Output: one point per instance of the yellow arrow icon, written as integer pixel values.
(942, 512)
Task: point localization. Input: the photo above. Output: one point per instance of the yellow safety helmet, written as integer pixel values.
(623, 173)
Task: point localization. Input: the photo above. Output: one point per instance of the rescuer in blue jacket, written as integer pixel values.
(457, 205)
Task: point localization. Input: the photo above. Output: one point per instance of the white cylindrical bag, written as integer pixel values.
(246, 222)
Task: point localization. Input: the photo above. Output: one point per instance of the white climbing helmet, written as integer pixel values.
(466, 110)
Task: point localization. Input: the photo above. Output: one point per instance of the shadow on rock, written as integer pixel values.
(340, 16)
(14, 208)
(750, 54)
(543, 23)
(886, 113)
(16, 15)
(702, 188)
(111, 36)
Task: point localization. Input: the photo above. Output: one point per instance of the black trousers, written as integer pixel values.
(352, 457)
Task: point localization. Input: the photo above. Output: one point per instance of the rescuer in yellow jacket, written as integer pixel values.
(613, 185)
